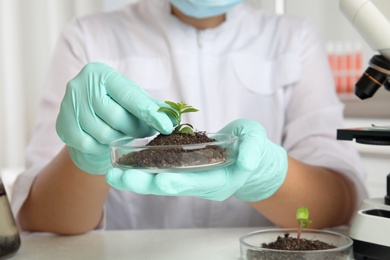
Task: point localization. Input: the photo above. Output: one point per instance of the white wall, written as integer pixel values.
(109, 5)
(28, 33)
(327, 17)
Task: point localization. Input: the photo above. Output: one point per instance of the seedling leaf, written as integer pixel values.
(176, 110)
(175, 106)
(189, 109)
(186, 130)
(170, 111)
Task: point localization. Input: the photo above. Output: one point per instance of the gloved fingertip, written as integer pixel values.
(247, 165)
(166, 129)
(162, 124)
(248, 158)
(113, 174)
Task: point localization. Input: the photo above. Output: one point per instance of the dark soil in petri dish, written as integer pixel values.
(288, 243)
(176, 157)
(291, 243)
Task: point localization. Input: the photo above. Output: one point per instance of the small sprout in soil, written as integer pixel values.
(172, 157)
(289, 243)
(302, 217)
(176, 110)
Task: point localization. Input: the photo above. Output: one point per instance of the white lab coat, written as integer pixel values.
(272, 69)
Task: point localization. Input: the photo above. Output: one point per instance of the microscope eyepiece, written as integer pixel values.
(376, 75)
(369, 83)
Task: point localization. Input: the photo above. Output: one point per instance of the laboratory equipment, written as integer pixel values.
(370, 227)
(371, 18)
(9, 234)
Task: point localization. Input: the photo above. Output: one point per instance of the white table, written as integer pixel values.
(169, 244)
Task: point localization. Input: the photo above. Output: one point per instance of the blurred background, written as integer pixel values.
(29, 31)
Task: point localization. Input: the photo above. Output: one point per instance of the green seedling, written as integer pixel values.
(177, 110)
(302, 216)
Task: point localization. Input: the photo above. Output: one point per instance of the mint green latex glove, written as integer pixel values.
(99, 106)
(258, 173)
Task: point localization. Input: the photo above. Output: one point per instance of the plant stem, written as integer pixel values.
(299, 233)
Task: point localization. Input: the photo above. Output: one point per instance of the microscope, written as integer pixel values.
(370, 229)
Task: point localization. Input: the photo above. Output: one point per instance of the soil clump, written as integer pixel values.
(176, 156)
(291, 243)
(288, 243)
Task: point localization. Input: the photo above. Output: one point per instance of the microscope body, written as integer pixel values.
(370, 226)
(371, 18)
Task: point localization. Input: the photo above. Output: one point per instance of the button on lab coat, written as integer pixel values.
(268, 68)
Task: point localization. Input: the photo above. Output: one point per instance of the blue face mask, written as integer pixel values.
(204, 8)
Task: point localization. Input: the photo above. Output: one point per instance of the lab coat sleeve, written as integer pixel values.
(68, 59)
(315, 113)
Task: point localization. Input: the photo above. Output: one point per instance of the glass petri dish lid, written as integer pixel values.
(137, 153)
(251, 245)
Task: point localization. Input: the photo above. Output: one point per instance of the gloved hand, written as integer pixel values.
(101, 105)
(258, 173)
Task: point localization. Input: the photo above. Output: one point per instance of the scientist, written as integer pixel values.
(260, 76)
